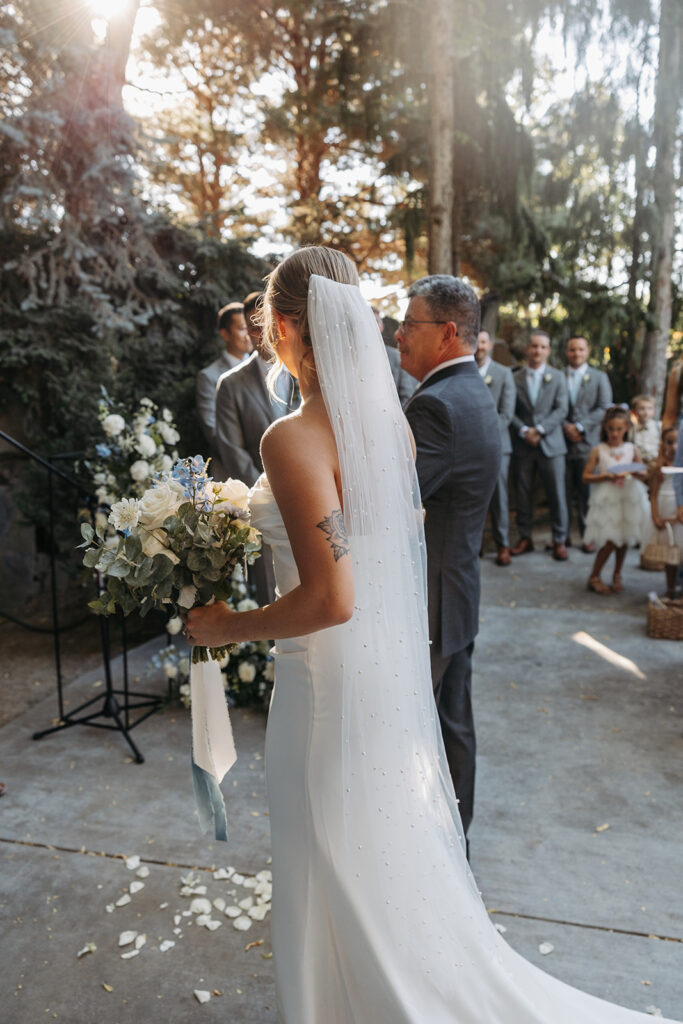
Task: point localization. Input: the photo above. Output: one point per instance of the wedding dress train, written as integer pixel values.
(376, 916)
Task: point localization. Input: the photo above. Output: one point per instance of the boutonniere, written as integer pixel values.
(586, 377)
(547, 377)
(488, 380)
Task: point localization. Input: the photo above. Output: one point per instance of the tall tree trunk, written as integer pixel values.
(667, 103)
(117, 47)
(441, 34)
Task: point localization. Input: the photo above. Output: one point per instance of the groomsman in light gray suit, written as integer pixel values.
(501, 385)
(244, 410)
(538, 444)
(456, 432)
(590, 392)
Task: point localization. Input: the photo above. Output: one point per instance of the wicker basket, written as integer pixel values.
(665, 623)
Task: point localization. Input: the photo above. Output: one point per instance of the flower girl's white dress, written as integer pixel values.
(376, 916)
(616, 512)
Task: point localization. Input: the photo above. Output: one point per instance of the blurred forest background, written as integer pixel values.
(156, 156)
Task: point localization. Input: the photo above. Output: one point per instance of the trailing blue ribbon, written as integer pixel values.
(209, 803)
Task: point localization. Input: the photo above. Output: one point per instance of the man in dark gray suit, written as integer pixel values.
(454, 421)
(538, 444)
(244, 410)
(590, 392)
(501, 385)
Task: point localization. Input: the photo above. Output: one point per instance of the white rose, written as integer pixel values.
(167, 415)
(125, 514)
(100, 478)
(246, 672)
(151, 546)
(169, 434)
(246, 605)
(157, 503)
(174, 625)
(146, 445)
(187, 595)
(140, 471)
(184, 666)
(232, 492)
(113, 424)
(223, 662)
(170, 670)
(165, 463)
(269, 671)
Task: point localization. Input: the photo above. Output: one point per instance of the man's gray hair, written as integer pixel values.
(451, 298)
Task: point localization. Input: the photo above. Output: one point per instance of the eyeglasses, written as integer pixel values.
(406, 325)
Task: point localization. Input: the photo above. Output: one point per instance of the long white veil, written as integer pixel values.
(393, 755)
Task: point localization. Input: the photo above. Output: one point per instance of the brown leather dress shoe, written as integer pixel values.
(560, 553)
(503, 557)
(522, 546)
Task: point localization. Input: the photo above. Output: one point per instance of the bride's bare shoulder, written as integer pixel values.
(298, 437)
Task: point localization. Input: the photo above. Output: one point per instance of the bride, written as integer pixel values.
(376, 916)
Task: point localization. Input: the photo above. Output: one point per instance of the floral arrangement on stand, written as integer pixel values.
(176, 546)
(135, 448)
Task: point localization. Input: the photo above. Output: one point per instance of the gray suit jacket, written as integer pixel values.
(595, 394)
(501, 385)
(244, 410)
(455, 425)
(548, 414)
(405, 384)
(207, 379)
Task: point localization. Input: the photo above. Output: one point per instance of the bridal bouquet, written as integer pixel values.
(177, 546)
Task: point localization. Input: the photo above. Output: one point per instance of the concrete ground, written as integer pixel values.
(576, 840)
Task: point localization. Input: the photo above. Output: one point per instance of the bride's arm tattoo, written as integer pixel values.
(334, 528)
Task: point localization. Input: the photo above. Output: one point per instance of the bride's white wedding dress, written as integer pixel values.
(376, 916)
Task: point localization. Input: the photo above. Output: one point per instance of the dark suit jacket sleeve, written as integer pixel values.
(559, 408)
(230, 441)
(508, 400)
(433, 433)
(594, 417)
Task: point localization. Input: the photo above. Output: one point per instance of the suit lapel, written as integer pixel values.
(258, 389)
(448, 371)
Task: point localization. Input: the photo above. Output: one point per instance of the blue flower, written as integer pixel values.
(103, 450)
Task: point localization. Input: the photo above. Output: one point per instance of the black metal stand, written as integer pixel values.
(117, 713)
(109, 705)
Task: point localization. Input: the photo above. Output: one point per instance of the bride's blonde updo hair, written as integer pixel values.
(287, 294)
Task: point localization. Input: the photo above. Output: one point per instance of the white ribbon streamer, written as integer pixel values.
(213, 746)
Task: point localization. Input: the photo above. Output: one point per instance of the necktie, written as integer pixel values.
(574, 382)
(533, 383)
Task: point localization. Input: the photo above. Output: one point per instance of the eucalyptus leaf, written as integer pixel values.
(91, 557)
(87, 532)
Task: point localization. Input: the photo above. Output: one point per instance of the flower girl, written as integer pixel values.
(618, 510)
(664, 507)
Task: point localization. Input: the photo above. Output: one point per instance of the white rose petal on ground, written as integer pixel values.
(223, 875)
(201, 996)
(203, 919)
(237, 878)
(130, 954)
(242, 924)
(250, 883)
(232, 912)
(110, 908)
(177, 919)
(132, 863)
(89, 947)
(143, 872)
(140, 941)
(212, 925)
(200, 906)
(545, 948)
(125, 938)
(258, 913)
(219, 903)
(263, 876)
(135, 887)
(246, 903)
(178, 932)
(162, 906)
(166, 945)
(123, 901)
(500, 928)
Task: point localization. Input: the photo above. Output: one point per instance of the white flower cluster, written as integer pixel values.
(137, 446)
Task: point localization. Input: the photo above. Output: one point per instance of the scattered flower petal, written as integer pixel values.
(130, 954)
(500, 928)
(246, 903)
(135, 887)
(132, 863)
(107, 988)
(143, 872)
(258, 913)
(242, 924)
(223, 875)
(125, 938)
(232, 912)
(200, 906)
(110, 908)
(602, 828)
(123, 901)
(237, 879)
(212, 925)
(545, 948)
(219, 904)
(89, 947)
(140, 941)
(166, 945)
(201, 996)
